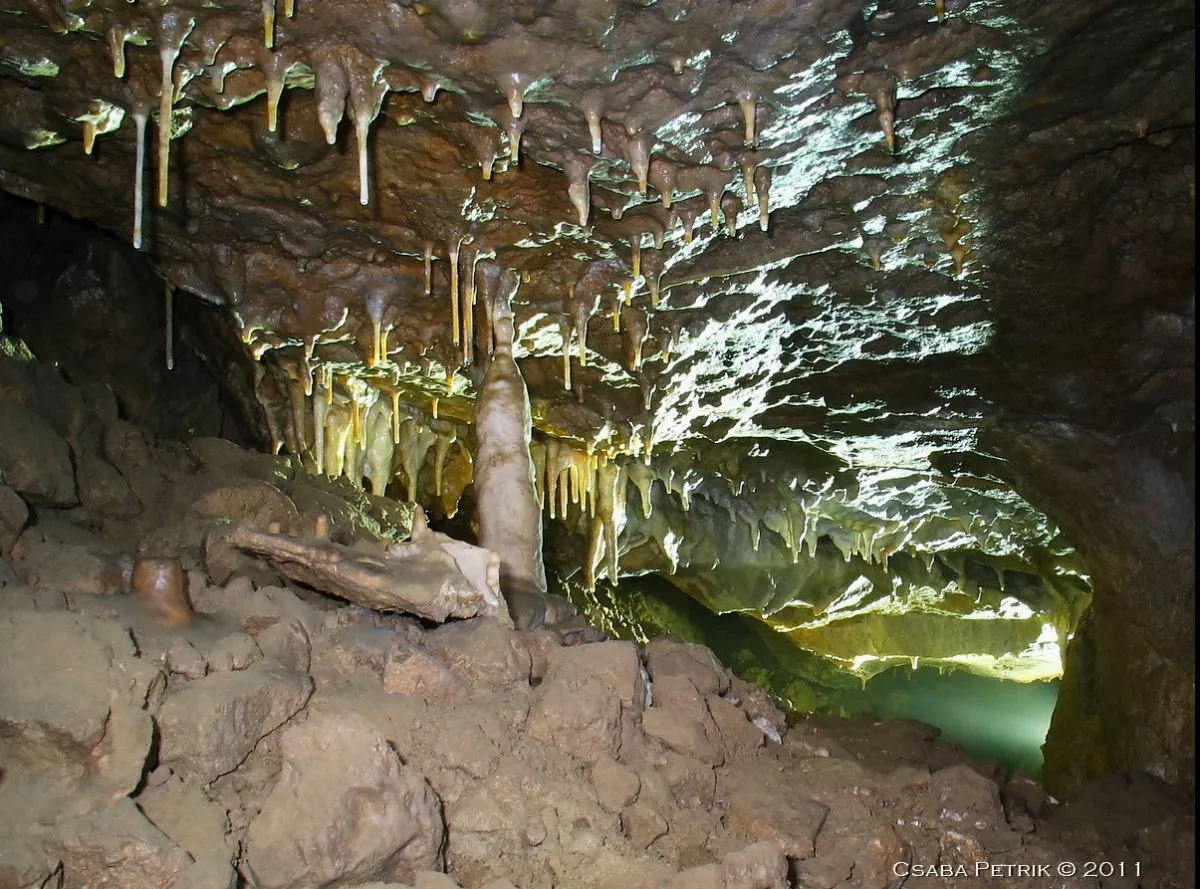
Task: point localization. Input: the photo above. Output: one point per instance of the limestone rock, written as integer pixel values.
(419, 673)
(642, 825)
(791, 822)
(484, 652)
(356, 816)
(616, 785)
(103, 489)
(13, 516)
(86, 570)
(34, 459)
(666, 656)
(79, 704)
(583, 698)
(185, 814)
(761, 866)
(738, 734)
(209, 727)
(117, 848)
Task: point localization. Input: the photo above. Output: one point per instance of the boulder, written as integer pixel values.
(208, 728)
(34, 459)
(350, 817)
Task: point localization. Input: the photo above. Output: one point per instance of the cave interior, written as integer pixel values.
(870, 323)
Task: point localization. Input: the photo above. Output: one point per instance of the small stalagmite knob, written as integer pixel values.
(159, 583)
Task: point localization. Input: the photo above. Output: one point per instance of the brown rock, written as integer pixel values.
(668, 656)
(209, 727)
(790, 821)
(482, 651)
(642, 825)
(419, 673)
(582, 701)
(761, 866)
(103, 489)
(189, 818)
(34, 459)
(78, 569)
(118, 847)
(616, 785)
(310, 830)
(237, 651)
(693, 783)
(287, 641)
(13, 516)
(680, 732)
(738, 734)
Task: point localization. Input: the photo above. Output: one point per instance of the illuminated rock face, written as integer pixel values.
(780, 264)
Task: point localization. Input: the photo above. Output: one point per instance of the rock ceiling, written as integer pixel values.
(784, 258)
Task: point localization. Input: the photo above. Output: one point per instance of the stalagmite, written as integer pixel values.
(140, 113)
(762, 188)
(169, 310)
(395, 416)
(337, 434)
(173, 29)
(510, 522)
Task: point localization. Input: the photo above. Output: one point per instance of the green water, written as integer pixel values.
(987, 718)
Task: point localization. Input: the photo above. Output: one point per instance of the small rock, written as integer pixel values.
(738, 734)
(642, 825)
(668, 656)
(117, 846)
(789, 821)
(34, 459)
(237, 651)
(693, 783)
(419, 673)
(616, 785)
(482, 651)
(209, 727)
(13, 516)
(585, 696)
(761, 866)
(428, 879)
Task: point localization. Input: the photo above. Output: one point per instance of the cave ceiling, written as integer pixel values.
(784, 258)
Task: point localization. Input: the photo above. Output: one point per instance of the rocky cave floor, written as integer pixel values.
(283, 738)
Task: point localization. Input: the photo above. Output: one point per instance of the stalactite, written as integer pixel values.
(762, 189)
(592, 112)
(320, 405)
(637, 152)
(749, 106)
(140, 113)
(169, 310)
(367, 91)
(564, 329)
(579, 170)
(173, 29)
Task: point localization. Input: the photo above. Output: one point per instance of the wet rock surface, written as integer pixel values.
(328, 774)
